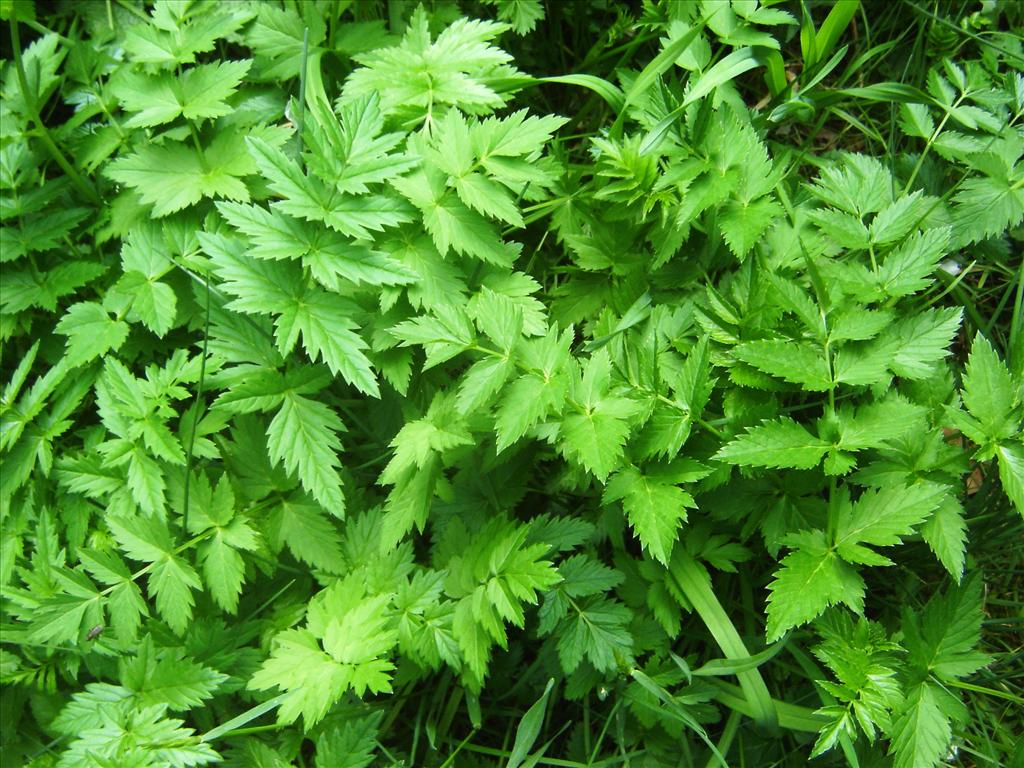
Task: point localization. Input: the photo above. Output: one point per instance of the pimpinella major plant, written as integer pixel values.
(400, 384)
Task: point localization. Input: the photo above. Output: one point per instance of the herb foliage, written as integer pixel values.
(369, 399)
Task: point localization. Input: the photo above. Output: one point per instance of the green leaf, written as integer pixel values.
(351, 744)
(654, 505)
(895, 221)
(875, 423)
(329, 255)
(596, 433)
(526, 401)
(942, 638)
(152, 302)
(488, 197)
(482, 381)
(984, 207)
(303, 437)
(1011, 472)
(168, 677)
(598, 632)
(916, 121)
(529, 728)
(91, 332)
(922, 340)
(921, 733)
(989, 393)
(523, 15)
(302, 525)
(350, 150)
(419, 73)
(779, 443)
(199, 93)
(172, 581)
(173, 176)
(795, 362)
(945, 532)
(205, 88)
(909, 268)
(328, 334)
(277, 37)
(744, 223)
(223, 566)
(810, 579)
(306, 197)
(298, 664)
(882, 517)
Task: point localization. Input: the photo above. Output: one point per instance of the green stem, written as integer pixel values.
(300, 108)
(732, 725)
(198, 407)
(44, 133)
(542, 760)
(462, 745)
(234, 725)
(791, 716)
(695, 583)
(931, 140)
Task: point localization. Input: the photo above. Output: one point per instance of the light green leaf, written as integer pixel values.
(91, 332)
(328, 333)
(810, 579)
(303, 436)
(921, 733)
(172, 176)
(945, 532)
(922, 340)
(796, 362)
(780, 443)
(302, 525)
(171, 582)
(1011, 472)
(989, 393)
(655, 507)
(882, 517)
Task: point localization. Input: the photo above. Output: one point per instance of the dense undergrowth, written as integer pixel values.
(512, 383)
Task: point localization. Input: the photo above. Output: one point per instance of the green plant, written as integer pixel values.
(348, 383)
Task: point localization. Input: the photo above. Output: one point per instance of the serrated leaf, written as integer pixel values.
(328, 333)
(780, 443)
(598, 632)
(595, 437)
(298, 663)
(921, 733)
(302, 525)
(303, 436)
(172, 581)
(945, 532)
(91, 332)
(882, 517)
(895, 221)
(526, 401)
(655, 507)
(810, 579)
(908, 269)
(989, 393)
(173, 176)
(922, 340)
(1011, 472)
(795, 362)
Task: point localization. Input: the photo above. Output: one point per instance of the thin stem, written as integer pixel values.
(44, 134)
(198, 406)
(300, 117)
(931, 140)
